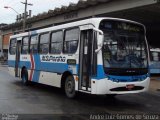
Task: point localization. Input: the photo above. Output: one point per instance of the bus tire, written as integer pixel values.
(24, 76)
(70, 87)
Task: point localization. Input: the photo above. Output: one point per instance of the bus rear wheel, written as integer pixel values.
(70, 87)
(24, 76)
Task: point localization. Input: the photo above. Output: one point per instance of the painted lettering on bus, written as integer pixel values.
(24, 58)
(53, 58)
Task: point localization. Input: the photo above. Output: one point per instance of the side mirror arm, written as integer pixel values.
(100, 44)
(99, 48)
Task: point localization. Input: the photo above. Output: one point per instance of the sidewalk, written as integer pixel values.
(3, 66)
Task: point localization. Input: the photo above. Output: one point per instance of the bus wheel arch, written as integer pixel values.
(68, 80)
(64, 76)
(24, 75)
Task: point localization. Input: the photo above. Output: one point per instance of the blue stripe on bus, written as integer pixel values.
(11, 63)
(101, 75)
(25, 63)
(36, 75)
(100, 72)
(62, 67)
(37, 62)
(54, 67)
(42, 66)
(127, 78)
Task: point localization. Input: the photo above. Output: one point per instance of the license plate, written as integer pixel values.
(130, 86)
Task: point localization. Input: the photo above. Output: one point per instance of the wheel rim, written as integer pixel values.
(70, 87)
(23, 78)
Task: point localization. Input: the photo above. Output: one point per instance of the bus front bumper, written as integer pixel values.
(106, 86)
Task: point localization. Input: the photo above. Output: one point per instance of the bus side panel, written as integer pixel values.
(155, 67)
(49, 78)
(11, 64)
(41, 70)
(154, 71)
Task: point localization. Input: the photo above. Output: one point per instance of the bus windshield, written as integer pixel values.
(124, 49)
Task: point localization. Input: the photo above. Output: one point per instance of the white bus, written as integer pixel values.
(155, 61)
(95, 56)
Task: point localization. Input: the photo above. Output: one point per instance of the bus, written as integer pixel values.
(94, 56)
(155, 61)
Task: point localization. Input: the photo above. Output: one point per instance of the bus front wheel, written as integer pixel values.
(24, 76)
(70, 87)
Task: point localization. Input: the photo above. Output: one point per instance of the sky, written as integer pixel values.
(39, 6)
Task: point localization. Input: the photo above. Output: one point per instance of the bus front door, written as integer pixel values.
(18, 50)
(86, 59)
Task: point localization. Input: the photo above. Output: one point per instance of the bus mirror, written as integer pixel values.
(99, 48)
(100, 40)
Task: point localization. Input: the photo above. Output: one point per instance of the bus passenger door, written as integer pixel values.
(18, 50)
(86, 59)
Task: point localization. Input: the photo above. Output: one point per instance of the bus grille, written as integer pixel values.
(126, 89)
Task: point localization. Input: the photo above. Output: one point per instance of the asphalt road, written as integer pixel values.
(43, 102)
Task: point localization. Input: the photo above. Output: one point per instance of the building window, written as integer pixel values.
(44, 43)
(12, 47)
(56, 42)
(34, 44)
(25, 45)
(71, 40)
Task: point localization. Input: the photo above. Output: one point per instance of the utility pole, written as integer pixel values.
(25, 13)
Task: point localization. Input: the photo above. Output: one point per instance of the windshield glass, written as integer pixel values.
(124, 45)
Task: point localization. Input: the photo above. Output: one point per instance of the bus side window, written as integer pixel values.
(25, 41)
(56, 42)
(158, 56)
(44, 43)
(12, 47)
(155, 56)
(34, 44)
(71, 40)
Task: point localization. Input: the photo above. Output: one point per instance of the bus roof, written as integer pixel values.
(94, 21)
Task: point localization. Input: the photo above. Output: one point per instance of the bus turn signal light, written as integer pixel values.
(76, 78)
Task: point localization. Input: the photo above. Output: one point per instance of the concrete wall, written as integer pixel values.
(108, 7)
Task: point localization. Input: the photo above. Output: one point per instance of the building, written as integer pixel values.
(1, 43)
(143, 11)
